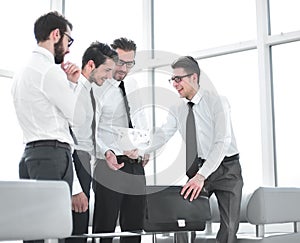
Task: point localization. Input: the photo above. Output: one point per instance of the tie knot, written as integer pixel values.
(191, 104)
(122, 87)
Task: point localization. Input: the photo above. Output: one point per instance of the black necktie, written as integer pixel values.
(191, 143)
(73, 135)
(94, 120)
(126, 103)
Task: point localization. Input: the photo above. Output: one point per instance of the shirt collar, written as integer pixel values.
(197, 97)
(83, 80)
(43, 51)
(113, 82)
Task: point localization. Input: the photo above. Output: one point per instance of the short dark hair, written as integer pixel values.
(49, 22)
(188, 63)
(98, 52)
(124, 44)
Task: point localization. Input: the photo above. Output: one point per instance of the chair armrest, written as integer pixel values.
(269, 205)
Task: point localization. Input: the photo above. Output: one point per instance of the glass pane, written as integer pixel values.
(284, 16)
(287, 116)
(11, 135)
(236, 77)
(190, 25)
(17, 39)
(103, 21)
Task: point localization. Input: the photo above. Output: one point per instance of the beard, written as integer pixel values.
(93, 79)
(119, 75)
(59, 52)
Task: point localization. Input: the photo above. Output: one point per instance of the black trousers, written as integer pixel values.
(119, 193)
(226, 183)
(46, 163)
(82, 165)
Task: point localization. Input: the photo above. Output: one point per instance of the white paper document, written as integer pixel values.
(131, 138)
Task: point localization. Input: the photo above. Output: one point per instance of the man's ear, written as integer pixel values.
(55, 35)
(195, 77)
(91, 64)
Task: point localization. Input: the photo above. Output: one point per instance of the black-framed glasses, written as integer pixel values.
(70, 39)
(178, 79)
(129, 64)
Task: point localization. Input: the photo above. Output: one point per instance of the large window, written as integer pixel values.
(186, 26)
(236, 77)
(11, 135)
(17, 41)
(103, 21)
(17, 38)
(180, 28)
(284, 16)
(287, 116)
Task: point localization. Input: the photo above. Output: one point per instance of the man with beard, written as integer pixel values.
(119, 178)
(45, 96)
(98, 61)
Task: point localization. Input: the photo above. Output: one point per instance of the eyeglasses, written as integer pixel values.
(129, 64)
(178, 79)
(70, 39)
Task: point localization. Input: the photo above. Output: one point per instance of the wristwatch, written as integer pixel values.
(140, 159)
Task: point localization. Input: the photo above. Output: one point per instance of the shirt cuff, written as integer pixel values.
(76, 187)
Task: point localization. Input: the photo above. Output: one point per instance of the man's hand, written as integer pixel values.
(132, 154)
(72, 71)
(193, 187)
(111, 160)
(80, 203)
(145, 159)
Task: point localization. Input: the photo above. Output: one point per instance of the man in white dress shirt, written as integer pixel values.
(214, 167)
(98, 62)
(45, 99)
(119, 179)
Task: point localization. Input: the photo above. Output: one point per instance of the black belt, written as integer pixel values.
(198, 162)
(48, 143)
(226, 159)
(230, 158)
(126, 159)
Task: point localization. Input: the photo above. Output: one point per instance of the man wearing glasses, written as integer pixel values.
(212, 157)
(45, 99)
(119, 177)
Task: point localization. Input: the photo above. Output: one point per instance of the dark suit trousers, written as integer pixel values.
(83, 170)
(120, 193)
(46, 163)
(226, 183)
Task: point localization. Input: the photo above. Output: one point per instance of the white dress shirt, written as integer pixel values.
(83, 132)
(44, 101)
(111, 114)
(215, 138)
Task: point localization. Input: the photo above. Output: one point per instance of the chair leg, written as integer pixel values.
(51, 240)
(154, 238)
